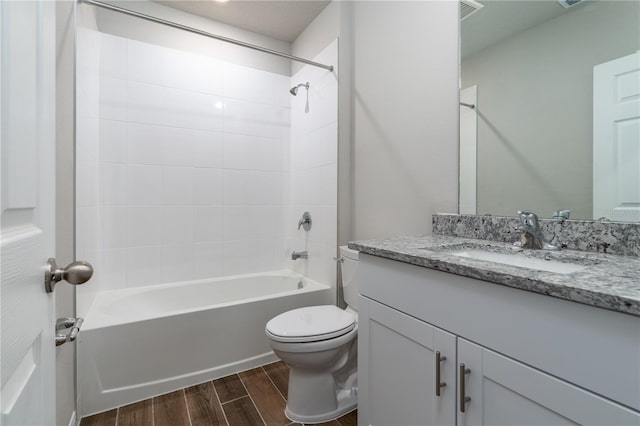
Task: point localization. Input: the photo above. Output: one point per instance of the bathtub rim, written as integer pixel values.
(95, 319)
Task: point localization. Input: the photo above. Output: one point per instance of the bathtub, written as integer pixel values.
(142, 342)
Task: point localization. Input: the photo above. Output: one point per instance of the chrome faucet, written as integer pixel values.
(299, 255)
(531, 237)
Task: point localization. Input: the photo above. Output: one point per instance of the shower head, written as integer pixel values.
(294, 90)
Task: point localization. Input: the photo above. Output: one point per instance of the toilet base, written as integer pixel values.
(347, 401)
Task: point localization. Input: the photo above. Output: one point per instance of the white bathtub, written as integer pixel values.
(142, 342)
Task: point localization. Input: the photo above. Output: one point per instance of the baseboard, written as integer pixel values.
(73, 421)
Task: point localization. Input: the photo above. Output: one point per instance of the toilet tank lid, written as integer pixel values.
(312, 321)
(350, 253)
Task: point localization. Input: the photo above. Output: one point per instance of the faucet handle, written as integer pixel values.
(562, 214)
(528, 218)
(305, 222)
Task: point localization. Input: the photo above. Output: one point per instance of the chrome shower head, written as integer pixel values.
(294, 90)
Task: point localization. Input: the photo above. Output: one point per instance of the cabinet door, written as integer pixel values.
(397, 369)
(505, 392)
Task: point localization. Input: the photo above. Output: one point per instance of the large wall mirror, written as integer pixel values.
(550, 108)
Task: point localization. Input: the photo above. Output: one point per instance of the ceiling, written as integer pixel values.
(282, 20)
(498, 20)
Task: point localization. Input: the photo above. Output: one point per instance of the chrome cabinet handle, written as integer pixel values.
(75, 273)
(463, 398)
(439, 384)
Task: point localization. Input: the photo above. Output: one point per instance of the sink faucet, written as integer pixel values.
(299, 255)
(531, 237)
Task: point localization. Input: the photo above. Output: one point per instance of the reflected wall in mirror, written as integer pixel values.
(556, 121)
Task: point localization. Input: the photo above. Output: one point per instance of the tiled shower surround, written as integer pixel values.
(187, 167)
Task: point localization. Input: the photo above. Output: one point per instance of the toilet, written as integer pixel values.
(319, 344)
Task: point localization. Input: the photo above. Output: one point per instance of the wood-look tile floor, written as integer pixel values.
(254, 397)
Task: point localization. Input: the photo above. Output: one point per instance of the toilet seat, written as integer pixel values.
(310, 324)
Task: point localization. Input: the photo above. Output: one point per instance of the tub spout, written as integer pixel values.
(299, 255)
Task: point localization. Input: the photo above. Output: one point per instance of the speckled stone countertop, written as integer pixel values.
(607, 281)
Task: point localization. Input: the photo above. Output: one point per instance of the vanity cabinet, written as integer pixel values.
(528, 358)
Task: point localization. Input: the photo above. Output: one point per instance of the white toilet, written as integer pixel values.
(319, 344)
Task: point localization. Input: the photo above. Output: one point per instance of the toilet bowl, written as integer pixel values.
(319, 344)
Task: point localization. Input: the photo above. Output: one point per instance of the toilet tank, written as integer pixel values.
(349, 269)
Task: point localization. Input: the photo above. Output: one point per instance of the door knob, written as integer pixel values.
(75, 273)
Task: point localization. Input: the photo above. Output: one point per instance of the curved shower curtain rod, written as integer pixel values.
(204, 33)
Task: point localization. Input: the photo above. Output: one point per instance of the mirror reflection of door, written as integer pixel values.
(534, 62)
(616, 139)
(468, 149)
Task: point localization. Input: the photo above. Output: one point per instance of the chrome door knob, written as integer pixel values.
(75, 273)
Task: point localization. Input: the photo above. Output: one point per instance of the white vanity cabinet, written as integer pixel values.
(531, 359)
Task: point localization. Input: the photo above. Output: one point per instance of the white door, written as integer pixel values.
(502, 391)
(27, 188)
(468, 149)
(616, 139)
(398, 369)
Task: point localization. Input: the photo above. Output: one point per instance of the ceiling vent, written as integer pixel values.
(469, 7)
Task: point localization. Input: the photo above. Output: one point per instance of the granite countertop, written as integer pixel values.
(607, 281)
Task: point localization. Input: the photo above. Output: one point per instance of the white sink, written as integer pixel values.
(516, 259)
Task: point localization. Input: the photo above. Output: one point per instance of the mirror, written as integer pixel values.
(552, 114)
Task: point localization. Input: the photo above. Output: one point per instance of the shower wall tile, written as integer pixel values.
(112, 178)
(177, 225)
(177, 146)
(111, 227)
(177, 263)
(86, 184)
(195, 73)
(208, 148)
(253, 85)
(208, 223)
(113, 57)
(112, 267)
(143, 266)
(192, 110)
(144, 144)
(249, 118)
(248, 256)
(144, 62)
(208, 186)
(113, 141)
(86, 230)
(177, 185)
(87, 139)
(144, 185)
(208, 260)
(144, 103)
(112, 98)
(144, 226)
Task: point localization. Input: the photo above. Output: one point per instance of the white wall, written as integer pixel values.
(535, 97)
(405, 122)
(137, 29)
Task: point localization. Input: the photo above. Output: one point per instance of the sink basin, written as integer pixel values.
(520, 260)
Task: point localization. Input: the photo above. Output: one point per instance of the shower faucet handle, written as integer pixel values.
(305, 222)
